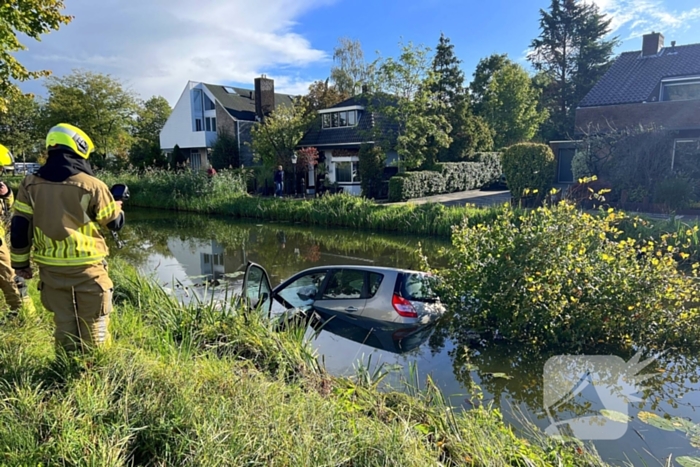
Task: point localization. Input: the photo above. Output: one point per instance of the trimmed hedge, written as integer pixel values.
(447, 178)
(529, 166)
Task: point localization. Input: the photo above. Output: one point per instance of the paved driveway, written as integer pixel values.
(476, 197)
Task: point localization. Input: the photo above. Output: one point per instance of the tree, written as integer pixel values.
(179, 158)
(350, 70)
(150, 120)
(323, 95)
(372, 162)
(469, 133)
(483, 74)
(96, 103)
(31, 18)
(274, 141)
(409, 106)
(511, 106)
(573, 53)
(18, 127)
(224, 153)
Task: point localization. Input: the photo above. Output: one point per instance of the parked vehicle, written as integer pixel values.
(372, 293)
(24, 168)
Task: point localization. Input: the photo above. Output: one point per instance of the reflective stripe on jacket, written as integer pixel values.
(64, 219)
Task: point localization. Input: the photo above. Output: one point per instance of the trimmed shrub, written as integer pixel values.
(529, 166)
(447, 178)
(416, 185)
(460, 176)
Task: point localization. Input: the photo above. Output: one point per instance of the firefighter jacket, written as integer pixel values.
(62, 220)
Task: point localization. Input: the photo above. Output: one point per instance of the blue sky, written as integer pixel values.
(156, 46)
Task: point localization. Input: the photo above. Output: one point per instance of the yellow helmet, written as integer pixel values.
(71, 137)
(6, 158)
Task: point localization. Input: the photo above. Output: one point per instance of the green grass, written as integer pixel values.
(192, 385)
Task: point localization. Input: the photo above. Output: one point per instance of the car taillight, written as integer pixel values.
(403, 307)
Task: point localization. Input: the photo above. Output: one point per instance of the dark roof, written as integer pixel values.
(633, 78)
(241, 105)
(369, 122)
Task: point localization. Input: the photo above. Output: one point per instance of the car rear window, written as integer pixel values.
(417, 287)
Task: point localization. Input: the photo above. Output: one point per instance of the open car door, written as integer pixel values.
(257, 291)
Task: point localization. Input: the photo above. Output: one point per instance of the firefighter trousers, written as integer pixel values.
(80, 299)
(9, 288)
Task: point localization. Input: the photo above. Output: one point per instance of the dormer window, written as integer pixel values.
(680, 89)
(339, 119)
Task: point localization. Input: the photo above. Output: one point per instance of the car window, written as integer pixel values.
(303, 291)
(375, 280)
(418, 287)
(345, 284)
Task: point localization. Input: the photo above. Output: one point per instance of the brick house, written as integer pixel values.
(205, 110)
(657, 86)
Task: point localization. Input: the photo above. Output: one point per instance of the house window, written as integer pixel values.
(198, 124)
(213, 124)
(347, 172)
(208, 104)
(195, 159)
(208, 120)
(207, 258)
(686, 157)
(339, 119)
(681, 90)
(197, 96)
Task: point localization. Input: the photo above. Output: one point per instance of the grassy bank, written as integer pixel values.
(189, 385)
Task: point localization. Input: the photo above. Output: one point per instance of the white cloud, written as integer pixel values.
(643, 16)
(156, 46)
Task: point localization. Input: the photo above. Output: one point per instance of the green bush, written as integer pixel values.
(372, 163)
(416, 185)
(461, 176)
(447, 177)
(529, 166)
(676, 193)
(560, 277)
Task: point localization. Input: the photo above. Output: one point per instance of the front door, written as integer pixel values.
(343, 293)
(566, 158)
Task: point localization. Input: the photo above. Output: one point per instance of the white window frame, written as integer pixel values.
(198, 125)
(353, 161)
(677, 82)
(347, 113)
(675, 145)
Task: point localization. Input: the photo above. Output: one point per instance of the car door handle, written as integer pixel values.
(351, 309)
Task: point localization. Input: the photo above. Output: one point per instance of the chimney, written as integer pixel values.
(653, 43)
(264, 97)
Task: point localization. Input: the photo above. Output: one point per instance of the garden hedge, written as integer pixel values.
(529, 166)
(447, 177)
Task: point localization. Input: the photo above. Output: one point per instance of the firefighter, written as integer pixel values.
(58, 211)
(8, 284)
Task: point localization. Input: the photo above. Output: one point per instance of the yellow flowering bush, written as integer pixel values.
(561, 277)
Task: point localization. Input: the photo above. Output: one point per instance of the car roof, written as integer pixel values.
(362, 268)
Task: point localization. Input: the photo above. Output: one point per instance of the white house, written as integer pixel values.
(205, 110)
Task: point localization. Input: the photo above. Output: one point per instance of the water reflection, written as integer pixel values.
(195, 254)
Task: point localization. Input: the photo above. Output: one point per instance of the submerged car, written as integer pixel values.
(381, 294)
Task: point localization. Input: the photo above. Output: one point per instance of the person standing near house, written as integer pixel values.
(59, 211)
(8, 284)
(211, 171)
(279, 181)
